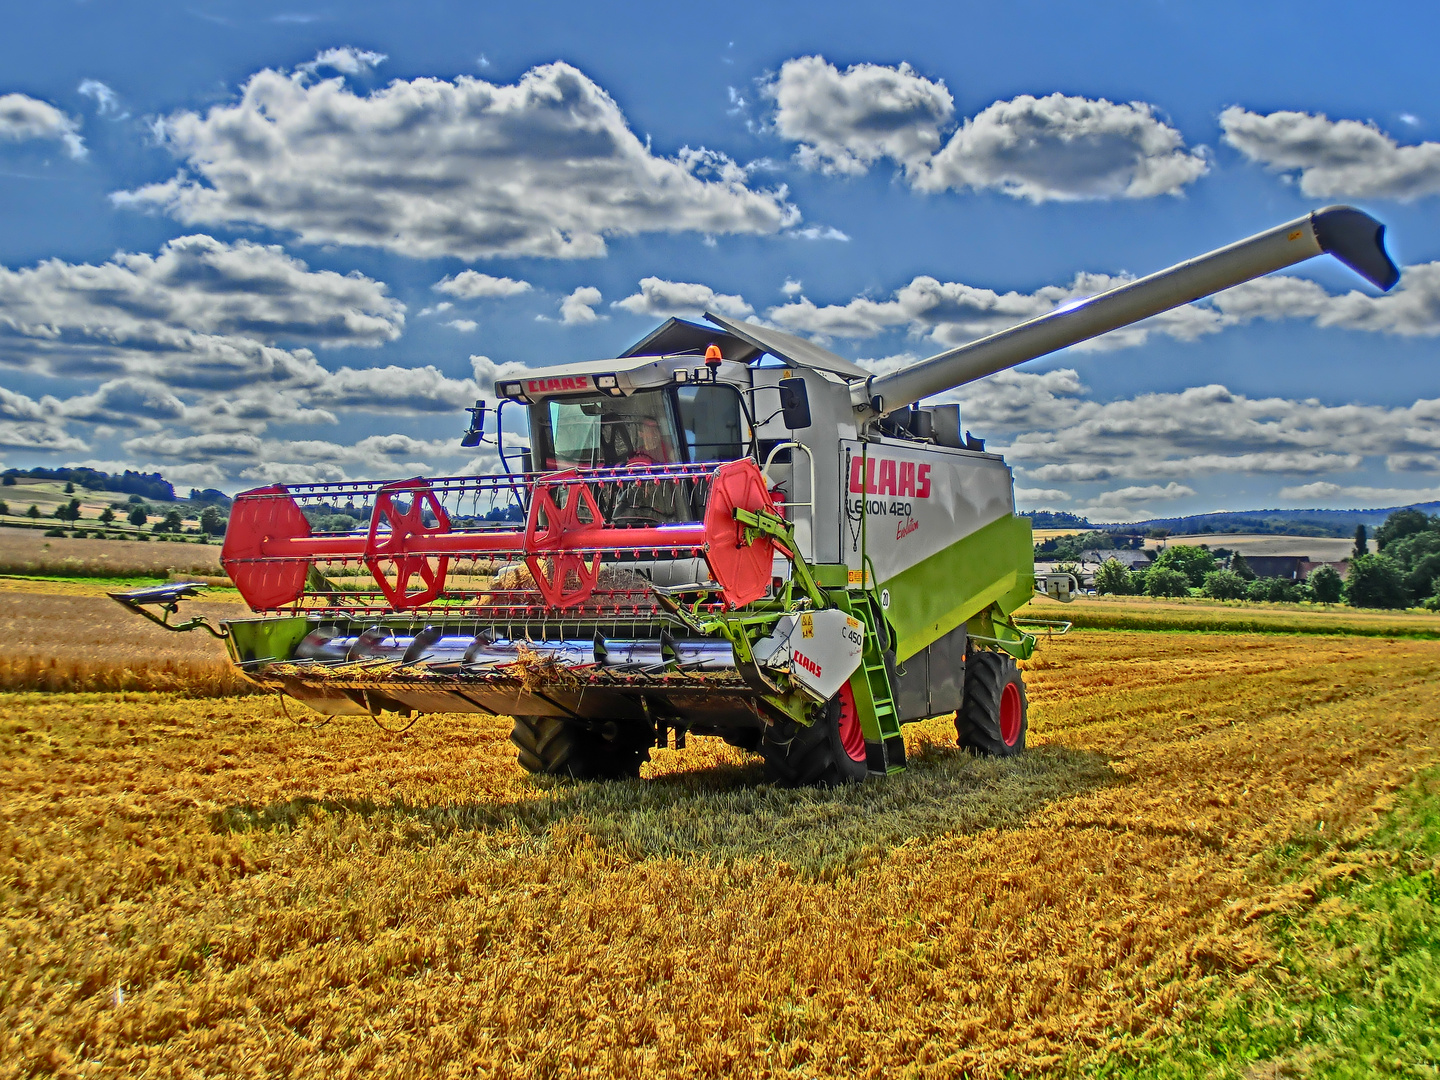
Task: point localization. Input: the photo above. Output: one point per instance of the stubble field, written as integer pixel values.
(199, 887)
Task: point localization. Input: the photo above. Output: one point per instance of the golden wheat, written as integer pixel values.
(72, 637)
(200, 888)
(30, 551)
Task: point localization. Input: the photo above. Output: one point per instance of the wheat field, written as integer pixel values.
(202, 887)
(29, 551)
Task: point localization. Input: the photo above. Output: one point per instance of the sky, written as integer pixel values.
(243, 243)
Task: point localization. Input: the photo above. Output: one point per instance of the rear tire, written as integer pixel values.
(828, 753)
(557, 746)
(994, 716)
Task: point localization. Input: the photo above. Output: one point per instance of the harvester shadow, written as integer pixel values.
(725, 815)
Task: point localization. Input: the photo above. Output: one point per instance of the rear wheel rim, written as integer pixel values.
(852, 736)
(1010, 714)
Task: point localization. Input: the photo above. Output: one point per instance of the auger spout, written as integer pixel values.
(1352, 236)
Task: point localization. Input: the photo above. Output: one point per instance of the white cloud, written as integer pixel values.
(27, 424)
(1289, 463)
(122, 401)
(346, 60)
(951, 313)
(465, 326)
(579, 306)
(846, 121)
(1127, 496)
(1058, 147)
(415, 390)
(23, 118)
(473, 285)
(210, 447)
(107, 102)
(818, 232)
(1359, 494)
(1345, 158)
(660, 298)
(487, 370)
(428, 167)
(201, 314)
(1031, 496)
(792, 287)
(279, 472)
(1413, 462)
(1057, 438)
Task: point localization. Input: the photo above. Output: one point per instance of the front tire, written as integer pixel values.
(557, 746)
(994, 716)
(828, 753)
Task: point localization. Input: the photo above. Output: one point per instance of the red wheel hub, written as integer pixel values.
(1010, 714)
(852, 736)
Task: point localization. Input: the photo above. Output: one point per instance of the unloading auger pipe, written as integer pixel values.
(1352, 236)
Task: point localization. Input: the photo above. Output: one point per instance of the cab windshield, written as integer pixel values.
(650, 427)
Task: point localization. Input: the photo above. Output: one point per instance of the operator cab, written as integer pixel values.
(668, 425)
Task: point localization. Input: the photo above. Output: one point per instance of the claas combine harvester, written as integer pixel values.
(725, 531)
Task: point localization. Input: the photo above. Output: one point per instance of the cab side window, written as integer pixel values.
(712, 423)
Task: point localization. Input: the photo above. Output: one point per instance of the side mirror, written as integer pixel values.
(794, 403)
(476, 433)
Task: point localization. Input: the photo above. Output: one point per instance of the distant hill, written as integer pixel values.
(146, 485)
(1278, 522)
(151, 486)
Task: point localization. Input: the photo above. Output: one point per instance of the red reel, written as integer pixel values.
(382, 551)
(743, 571)
(562, 505)
(257, 516)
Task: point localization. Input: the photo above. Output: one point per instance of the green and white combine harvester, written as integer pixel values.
(726, 531)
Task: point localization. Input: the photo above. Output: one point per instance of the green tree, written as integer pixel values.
(1375, 581)
(1166, 581)
(1112, 579)
(1271, 589)
(171, 522)
(212, 521)
(1432, 602)
(4, 507)
(1417, 555)
(138, 515)
(1193, 562)
(1326, 585)
(1239, 566)
(9, 481)
(1400, 524)
(1362, 546)
(1223, 585)
(107, 516)
(70, 511)
(69, 488)
(33, 512)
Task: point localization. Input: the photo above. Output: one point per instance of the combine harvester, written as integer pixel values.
(792, 555)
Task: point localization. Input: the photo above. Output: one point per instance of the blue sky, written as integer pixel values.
(250, 242)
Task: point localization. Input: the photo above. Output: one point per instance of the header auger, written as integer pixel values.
(727, 530)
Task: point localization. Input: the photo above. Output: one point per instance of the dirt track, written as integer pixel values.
(200, 887)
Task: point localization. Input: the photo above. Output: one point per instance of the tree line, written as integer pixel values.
(1404, 571)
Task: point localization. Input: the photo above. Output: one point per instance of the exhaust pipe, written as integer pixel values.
(1352, 236)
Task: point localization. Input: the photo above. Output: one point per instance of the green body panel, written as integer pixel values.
(830, 575)
(266, 639)
(993, 565)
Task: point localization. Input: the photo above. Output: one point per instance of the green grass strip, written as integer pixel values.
(1355, 991)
